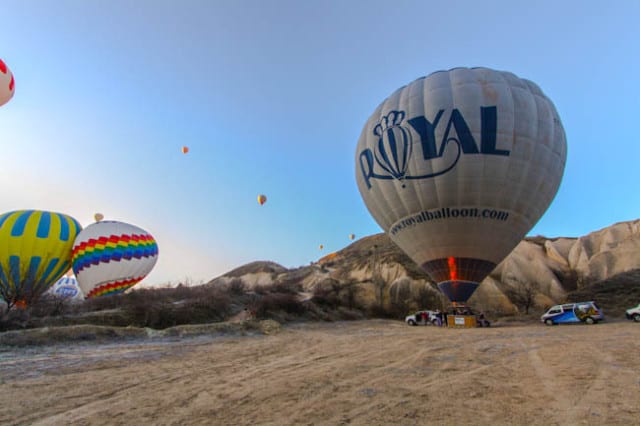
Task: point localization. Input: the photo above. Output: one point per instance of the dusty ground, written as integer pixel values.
(361, 373)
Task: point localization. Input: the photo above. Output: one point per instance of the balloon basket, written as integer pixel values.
(461, 321)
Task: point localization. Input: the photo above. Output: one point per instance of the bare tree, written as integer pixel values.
(522, 293)
(376, 277)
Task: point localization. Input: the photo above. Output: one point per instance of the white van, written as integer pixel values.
(586, 312)
(633, 314)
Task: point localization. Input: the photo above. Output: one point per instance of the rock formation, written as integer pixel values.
(373, 271)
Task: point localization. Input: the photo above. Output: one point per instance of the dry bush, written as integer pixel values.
(275, 303)
(326, 297)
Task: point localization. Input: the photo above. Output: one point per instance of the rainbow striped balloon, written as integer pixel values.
(35, 251)
(109, 257)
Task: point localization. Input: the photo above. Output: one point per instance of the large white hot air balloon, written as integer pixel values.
(457, 167)
(110, 257)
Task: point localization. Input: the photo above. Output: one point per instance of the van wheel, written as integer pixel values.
(412, 322)
(589, 320)
(636, 317)
(548, 321)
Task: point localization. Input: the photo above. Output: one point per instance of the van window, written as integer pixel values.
(595, 305)
(555, 311)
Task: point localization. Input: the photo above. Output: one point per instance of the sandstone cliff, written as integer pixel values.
(373, 271)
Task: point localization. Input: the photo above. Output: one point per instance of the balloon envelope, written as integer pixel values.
(98, 217)
(457, 167)
(109, 257)
(262, 199)
(35, 251)
(352, 236)
(185, 149)
(7, 83)
(67, 288)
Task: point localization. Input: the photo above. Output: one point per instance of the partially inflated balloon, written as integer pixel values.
(110, 257)
(7, 83)
(35, 251)
(66, 288)
(262, 199)
(457, 167)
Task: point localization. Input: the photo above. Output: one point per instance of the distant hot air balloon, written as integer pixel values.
(262, 199)
(110, 257)
(98, 217)
(7, 83)
(185, 149)
(321, 246)
(66, 288)
(352, 237)
(457, 167)
(35, 251)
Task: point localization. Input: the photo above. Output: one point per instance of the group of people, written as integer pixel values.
(441, 318)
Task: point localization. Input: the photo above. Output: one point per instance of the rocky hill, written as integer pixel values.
(539, 272)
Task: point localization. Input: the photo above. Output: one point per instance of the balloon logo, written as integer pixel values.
(35, 251)
(109, 257)
(393, 150)
(185, 149)
(7, 83)
(262, 199)
(457, 167)
(98, 217)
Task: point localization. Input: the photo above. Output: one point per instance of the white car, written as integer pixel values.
(422, 318)
(633, 314)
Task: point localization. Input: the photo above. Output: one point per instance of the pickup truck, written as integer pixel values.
(422, 318)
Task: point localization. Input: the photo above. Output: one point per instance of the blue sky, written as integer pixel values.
(270, 97)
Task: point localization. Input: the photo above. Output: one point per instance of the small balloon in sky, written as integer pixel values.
(321, 246)
(185, 149)
(98, 217)
(262, 199)
(352, 236)
(7, 83)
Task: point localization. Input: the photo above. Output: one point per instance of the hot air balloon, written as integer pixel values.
(457, 167)
(66, 288)
(352, 237)
(321, 247)
(262, 199)
(98, 217)
(185, 149)
(109, 257)
(7, 83)
(35, 251)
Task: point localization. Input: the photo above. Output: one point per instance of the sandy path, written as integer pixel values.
(361, 373)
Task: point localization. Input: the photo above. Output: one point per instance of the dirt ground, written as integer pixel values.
(361, 373)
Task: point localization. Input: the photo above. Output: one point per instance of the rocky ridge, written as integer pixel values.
(373, 270)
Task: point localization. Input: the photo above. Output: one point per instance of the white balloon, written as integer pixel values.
(109, 257)
(66, 287)
(457, 167)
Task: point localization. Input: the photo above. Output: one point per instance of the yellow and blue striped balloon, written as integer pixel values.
(35, 251)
